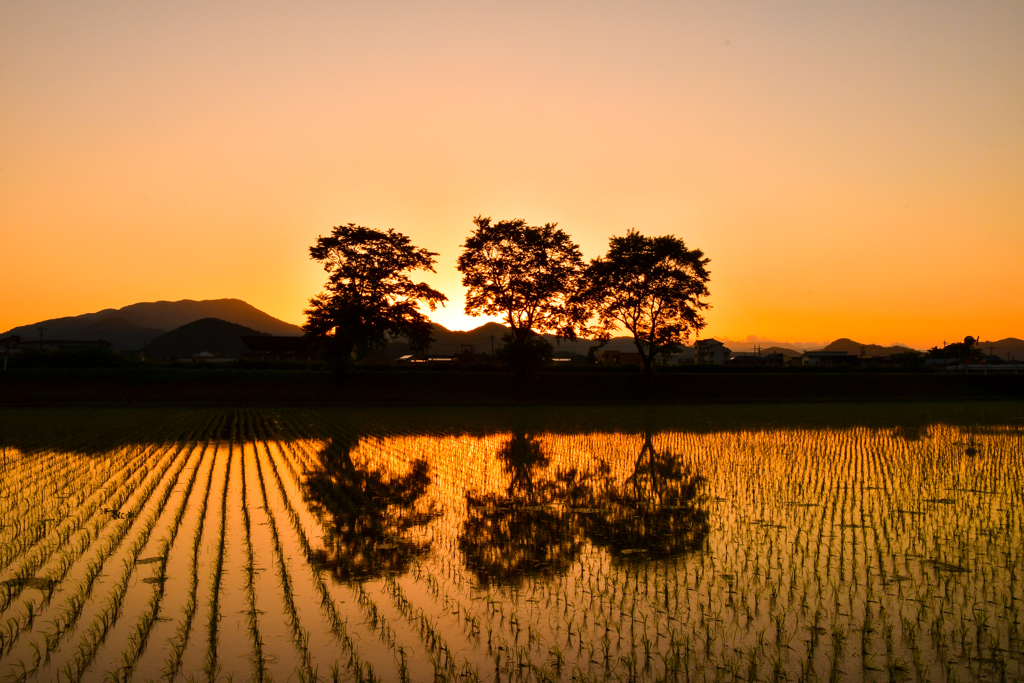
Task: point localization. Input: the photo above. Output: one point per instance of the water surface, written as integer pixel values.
(861, 542)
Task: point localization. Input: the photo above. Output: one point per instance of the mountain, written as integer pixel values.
(868, 350)
(119, 324)
(1010, 348)
(132, 327)
(752, 343)
(209, 334)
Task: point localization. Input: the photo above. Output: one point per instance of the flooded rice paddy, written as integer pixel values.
(674, 544)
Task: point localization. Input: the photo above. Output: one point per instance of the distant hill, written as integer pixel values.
(867, 350)
(1007, 349)
(132, 327)
(119, 324)
(209, 334)
(752, 343)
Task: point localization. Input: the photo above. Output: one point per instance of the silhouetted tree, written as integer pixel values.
(525, 274)
(370, 517)
(507, 538)
(369, 294)
(652, 286)
(534, 352)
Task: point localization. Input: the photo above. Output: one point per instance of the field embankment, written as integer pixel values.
(256, 387)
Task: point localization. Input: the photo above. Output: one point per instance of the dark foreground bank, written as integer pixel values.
(254, 387)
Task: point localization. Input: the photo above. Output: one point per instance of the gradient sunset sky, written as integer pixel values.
(851, 169)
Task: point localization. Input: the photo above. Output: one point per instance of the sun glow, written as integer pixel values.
(850, 171)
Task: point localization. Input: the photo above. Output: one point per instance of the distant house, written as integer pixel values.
(568, 357)
(613, 357)
(268, 347)
(630, 358)
(684, 356)
(410, 359)
(829, 358)
(12, 340)
(55, 344)
(760, 360)
(710, 352)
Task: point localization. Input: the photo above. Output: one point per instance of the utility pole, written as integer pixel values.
(41, 330)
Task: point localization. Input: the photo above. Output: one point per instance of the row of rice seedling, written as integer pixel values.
(73, 598)
(211, 667)
(348, 545)
(253, 614)
(828, 558)
(386, 629)
(384, 622)
(103, 482)
(345, 632)
(842, 531)
(126, 545)
(53, 584)
(79, 527)
(157, 553)
(166, 655)
(45, 511)
(26, 475)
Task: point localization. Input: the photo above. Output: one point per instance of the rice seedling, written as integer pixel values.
(517, 545)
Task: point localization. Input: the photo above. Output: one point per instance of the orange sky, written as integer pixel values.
(852, 169)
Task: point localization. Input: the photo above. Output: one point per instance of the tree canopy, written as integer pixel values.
(525, 274)
(369, 294)
(651, 286)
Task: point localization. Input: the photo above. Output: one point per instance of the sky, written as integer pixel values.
(851, 169)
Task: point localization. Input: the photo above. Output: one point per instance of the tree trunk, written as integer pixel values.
(341, 360)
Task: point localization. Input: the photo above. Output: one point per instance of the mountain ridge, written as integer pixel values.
(132, 327)
(868, 350)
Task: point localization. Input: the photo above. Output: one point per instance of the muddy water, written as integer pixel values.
(884, 543)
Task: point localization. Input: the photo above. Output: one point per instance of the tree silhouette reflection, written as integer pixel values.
(527, 531)
(654, 514)
(371, 517)
(539, 524)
